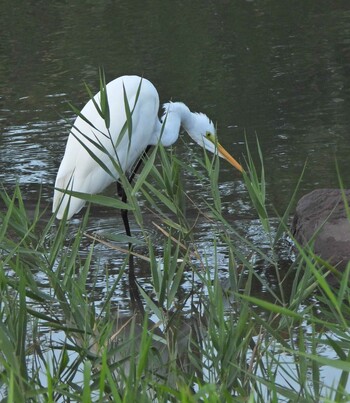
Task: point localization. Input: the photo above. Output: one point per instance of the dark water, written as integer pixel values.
(276, 70)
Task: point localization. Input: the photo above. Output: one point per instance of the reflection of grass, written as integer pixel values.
(229, 345)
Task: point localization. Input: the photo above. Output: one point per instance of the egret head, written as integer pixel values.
(203, 132)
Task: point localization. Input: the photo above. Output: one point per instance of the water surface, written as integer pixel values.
(267, 69)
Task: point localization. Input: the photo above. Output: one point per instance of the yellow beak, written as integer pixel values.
(228, 157)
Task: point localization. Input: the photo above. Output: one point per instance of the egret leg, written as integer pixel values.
(138, 164)
(134, 292)
(125, 219)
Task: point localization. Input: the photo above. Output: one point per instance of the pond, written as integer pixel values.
(265, 70)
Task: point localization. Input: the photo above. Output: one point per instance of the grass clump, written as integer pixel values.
(186, 335)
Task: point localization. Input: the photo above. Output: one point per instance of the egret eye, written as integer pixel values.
(208, 135)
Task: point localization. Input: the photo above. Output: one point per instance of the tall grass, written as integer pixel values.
(194, 340)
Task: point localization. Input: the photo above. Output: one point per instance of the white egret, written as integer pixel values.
(80, 172)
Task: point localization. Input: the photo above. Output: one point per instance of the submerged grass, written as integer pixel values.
(188, 338)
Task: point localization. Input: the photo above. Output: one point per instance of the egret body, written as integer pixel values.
(80, 172)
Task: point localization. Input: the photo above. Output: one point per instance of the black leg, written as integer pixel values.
(134, 291)
(138, 164)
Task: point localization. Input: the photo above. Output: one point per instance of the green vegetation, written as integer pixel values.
(186, 337)
(226, 345)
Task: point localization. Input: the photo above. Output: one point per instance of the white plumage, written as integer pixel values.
(82, 173)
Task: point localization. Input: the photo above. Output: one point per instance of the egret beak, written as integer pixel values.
(228, 157)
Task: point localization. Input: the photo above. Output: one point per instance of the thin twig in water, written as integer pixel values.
(110, 245)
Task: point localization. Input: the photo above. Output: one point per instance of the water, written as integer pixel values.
(259, 69)
(253, 68)
(269, 69)
(265, 69)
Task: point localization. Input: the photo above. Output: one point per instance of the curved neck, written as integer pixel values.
(175, 115)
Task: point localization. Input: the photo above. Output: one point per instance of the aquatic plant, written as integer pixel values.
(186, 335)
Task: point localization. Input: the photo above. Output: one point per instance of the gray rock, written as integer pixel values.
(321, 214)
